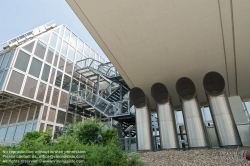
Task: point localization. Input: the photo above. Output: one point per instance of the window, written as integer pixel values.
(14, 116)
(14, 78)
(31, 113)
(44, 113)
(45, 37)
(69, 67)
(56, 59)
(50, 55)
(40, 49)
(3, 78)
(62, 31)
(23, 114)
(66, 34)
(22, 61)
(52, 76)
(49, 129)
(57, 30)
(80, 45)
(41, 127)
(64, 48)
(35, 67)
(63, 100)
(60, 117)
(92, 54)
(58, 47)
(66, 83)
(28, 128)
(10, 133)
(30, 87)
(6, 117)
(37, 113)
(73, 40)
(71, 53)
(78, 57)
(53, 40)
(5, 61)
(2, 134)
(29, 47)
(41, 91)
(52, 114)
(34, 126)
(86, 50)
(61, 62)
(70, 118)
(58, 79)
(48, 94)
(55, 97)
(19, 132)
(46, 70)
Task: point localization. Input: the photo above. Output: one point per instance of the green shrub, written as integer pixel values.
(109, 134)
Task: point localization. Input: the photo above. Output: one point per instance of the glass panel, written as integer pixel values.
(45, 37)
(50, 55)
(5, 60)
(58, 47)
(30, 87)
(35, 67)
(55, 97)
(22, 61)
(40, 49)
(78, 56)
(56, 59)
(48, 94)
(61, 62)
(1, 116)
(6, 117)
(66, 83)
(2, 134)
(69, 67)
(52, 114)
(10, 59)
(60, 117)
(71, 53)
(10, 133)
(62, 31)
(19, 132)
(41, 91)
(3, 78)
(66, 34)
(1, 58)
(29, 47)
(46, 70)
(73, 40)
(53, 40)
(70, 118)
(52, 76)
(34, 126)
(28, 128)
(31, 113)
(37, 112)
(14, 116)
(44, 113)
(57, 30)
(74, 85)
(23, 114)
(58, 79)
(92, 54)
(49, 129)
(63, 100)
(80, 45)
(14, 78)
(86, 50)
(41, 127)
(82, 86)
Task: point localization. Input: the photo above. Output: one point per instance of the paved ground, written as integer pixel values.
(203, 157)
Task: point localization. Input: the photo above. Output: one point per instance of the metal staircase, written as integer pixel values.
(109, 101)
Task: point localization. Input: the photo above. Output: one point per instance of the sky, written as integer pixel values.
(20, 16)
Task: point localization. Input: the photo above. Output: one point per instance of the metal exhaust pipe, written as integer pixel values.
(192, 113)
(143, 119)
(226, 129)
(166, 117)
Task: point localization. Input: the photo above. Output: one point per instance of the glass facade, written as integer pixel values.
(41, 72)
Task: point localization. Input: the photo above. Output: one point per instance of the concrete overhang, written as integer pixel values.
(164, 40)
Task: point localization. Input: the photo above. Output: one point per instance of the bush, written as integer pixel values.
(109, 134)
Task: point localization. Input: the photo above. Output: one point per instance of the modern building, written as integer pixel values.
(163, 41)
(36, 69)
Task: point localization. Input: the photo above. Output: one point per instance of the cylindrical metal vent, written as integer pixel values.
(224, 123)
(192, 113)
(143, 119)
(166, 117)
